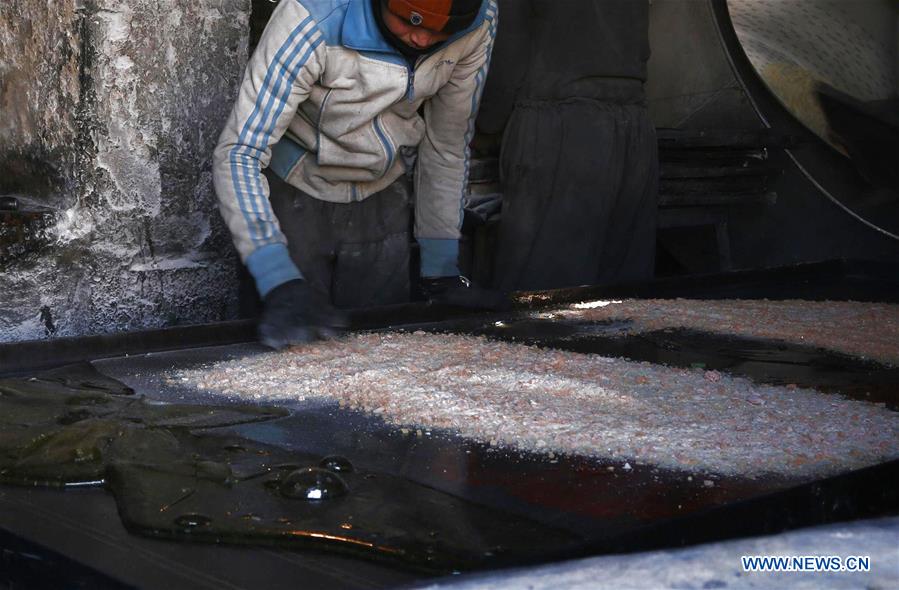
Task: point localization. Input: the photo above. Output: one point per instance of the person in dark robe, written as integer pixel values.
(579, 158)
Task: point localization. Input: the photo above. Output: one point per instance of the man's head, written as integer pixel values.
(421, 24)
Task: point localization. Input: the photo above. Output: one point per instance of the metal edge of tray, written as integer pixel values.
(21, 357)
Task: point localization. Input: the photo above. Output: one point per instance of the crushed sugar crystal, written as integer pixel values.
(552, 401)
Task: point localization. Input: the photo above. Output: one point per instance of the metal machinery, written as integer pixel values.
(741, 130)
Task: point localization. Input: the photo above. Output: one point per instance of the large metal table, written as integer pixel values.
(74, 538)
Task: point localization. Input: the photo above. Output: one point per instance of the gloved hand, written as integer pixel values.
(294, 313)
(461, 292)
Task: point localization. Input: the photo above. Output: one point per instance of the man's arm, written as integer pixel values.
(443, 156)
(279, 76)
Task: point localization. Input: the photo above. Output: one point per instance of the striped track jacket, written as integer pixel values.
(327, 103)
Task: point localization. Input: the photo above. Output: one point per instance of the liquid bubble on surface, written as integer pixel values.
(313, 484)
(337, 464)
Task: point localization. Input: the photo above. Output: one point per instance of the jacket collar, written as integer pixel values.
(360, 29)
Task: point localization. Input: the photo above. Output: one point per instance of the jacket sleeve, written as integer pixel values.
(441, 176)
(279, 76)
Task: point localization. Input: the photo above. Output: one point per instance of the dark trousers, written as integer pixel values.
(580, 184)
(358, 253)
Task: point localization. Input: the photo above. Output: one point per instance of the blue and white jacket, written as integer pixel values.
(327, 103)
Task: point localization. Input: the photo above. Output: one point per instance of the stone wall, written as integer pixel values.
(110, 112)
(40, 97)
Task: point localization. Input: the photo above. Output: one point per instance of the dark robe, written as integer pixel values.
(579, 157)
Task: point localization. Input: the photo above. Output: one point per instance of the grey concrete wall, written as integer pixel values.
(40, 94)
(110, 112)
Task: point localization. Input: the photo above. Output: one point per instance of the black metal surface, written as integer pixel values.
(834, 280)
(84, 527)
(17, 358)
(24, 357)
(857, 495)
(27, 565)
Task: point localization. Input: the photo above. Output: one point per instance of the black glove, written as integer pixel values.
(461, 292)
(294, 313)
